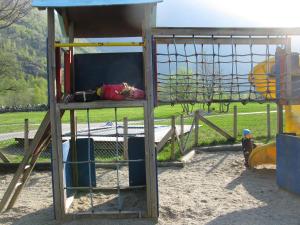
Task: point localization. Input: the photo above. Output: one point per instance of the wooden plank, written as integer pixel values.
(181, 132)
(125, 141)
(107, 215)
(73, 120)
(180, 144)
(59, 201)
(196, 119)
(164, 140)
(4, 158)
(26, 135)
(235, 127)
(227, 31)
(150, 154)
(221, 41)
(27, 171)
(40, 134)
(101, 104)
(279, 118)
(26, 168)
(215, 127)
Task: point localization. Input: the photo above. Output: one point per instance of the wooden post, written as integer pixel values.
(26, 135)
(57, 170)
(196, 118)
(181, 125)
(235, 128)
(182, 131)
(150, 153)
(125, 141)
(268, 122)
(279, 118)
(173, 138)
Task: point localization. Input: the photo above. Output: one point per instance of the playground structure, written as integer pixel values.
(266, 154)
(174, 65)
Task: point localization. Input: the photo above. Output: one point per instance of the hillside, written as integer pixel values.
(23, 61)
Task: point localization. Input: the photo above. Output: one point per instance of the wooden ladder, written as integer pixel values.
(40, 141)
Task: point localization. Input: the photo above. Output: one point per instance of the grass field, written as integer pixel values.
(255, 122)
(11, 122)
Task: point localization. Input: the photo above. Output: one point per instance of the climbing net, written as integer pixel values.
(217, 68)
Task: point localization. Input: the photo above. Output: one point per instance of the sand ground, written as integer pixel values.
(213, 189)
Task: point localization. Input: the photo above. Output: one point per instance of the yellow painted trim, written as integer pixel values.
(100, 44)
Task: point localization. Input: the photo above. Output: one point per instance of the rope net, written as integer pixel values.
(194, 69)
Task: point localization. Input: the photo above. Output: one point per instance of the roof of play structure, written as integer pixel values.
(100, 18)
(82, 3)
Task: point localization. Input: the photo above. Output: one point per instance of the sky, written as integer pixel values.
(229, 13)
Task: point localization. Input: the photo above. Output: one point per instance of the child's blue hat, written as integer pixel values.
(246, 131)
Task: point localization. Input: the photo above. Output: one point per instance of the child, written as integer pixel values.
(247, 145)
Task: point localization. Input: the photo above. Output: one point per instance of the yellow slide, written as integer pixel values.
(266, 154)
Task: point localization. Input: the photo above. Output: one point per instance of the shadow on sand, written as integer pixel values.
(278, 206)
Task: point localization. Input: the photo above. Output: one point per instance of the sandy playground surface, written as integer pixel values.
(213, 189)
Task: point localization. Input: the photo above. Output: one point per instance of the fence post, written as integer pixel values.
(181, 125)
(235, 129)
(173, 127)
(268, 122)
(196, 118)
(26, 136)
(125, 136)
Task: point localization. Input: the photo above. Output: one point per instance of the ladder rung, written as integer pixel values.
(27, 167)
(19, 184)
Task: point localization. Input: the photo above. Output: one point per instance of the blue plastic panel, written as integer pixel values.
(137, 170)
(83, 149)
(67, 168)
(82, 3)
(288, 162)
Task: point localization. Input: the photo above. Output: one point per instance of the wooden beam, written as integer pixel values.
(4, 158)
(279, 118)
(216, 128)
(58, 192)
(101, 104)
(268, 121)
(100, 44)
(196, 119)
(173, 139)
(227, 31)
(164, 140)
(150, 154)
(221, 41)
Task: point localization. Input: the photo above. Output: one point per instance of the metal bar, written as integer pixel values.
(101, 44)
(224, 31)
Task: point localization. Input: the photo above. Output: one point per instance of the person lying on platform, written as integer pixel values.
(247, 145)
(121, 91)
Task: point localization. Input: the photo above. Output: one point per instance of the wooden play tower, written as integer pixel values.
(81, 20)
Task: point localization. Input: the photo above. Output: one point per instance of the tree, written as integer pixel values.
(12, 10)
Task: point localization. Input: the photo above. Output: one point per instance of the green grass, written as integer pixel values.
(11, 122)
(255, 122)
